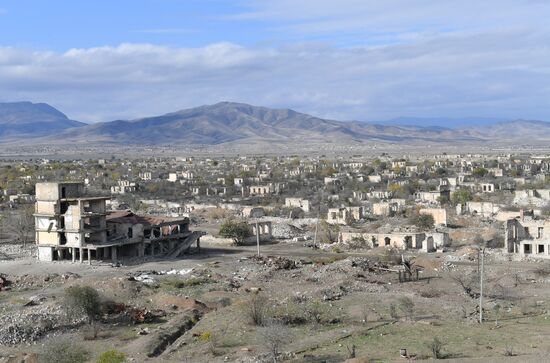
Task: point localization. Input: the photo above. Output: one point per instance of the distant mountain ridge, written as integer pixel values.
(449, 122)
(26, 119)
(230, 122)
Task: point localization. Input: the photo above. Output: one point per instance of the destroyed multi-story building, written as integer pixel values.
(70, 224)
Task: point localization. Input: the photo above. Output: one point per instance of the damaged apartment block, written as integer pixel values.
(70, 225)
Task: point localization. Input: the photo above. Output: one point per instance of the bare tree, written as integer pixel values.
(21, 224)
(274, 336)
(3, 218)
(467, 282)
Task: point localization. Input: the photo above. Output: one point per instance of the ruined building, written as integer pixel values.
(73, 225)
(528, 235)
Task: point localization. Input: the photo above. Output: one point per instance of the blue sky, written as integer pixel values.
(347, 59)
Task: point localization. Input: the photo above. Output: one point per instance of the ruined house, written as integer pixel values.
(439, 215)
(433, 197)
(73, 225)
(124, 187)
(297, 203)
(261, 229)
(484, 209)
(344, 215)
(528, 235)
(387, 209)
(425, 242)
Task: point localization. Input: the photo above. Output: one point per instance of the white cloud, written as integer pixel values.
(499, 73)
(328, 16)
(167, 31)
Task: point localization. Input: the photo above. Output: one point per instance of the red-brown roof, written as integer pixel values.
(127, 216)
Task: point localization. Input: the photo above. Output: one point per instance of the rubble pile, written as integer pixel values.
(29, 325)
(147, 277)
(348, 266)
(277, 262)
(23, 282)
(286, 231)
(12, 251)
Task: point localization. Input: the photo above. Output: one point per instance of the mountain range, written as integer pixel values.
(26, 119)
(229, 122)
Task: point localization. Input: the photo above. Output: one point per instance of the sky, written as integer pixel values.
(348, 59)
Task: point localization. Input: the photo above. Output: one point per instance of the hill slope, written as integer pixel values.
(227, 122)
(26, 119)
(236, 123)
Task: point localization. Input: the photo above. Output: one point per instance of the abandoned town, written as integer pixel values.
(288, 258)
(269, 181)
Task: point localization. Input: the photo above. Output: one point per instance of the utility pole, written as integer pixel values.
(317, 226)
(481, 288)
(478, 261)
(258, 236)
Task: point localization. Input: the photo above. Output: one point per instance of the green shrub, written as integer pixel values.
(205, 336)
(112, 356)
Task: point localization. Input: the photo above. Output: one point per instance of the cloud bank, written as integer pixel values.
(453, 59)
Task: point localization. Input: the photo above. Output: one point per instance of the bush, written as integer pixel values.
(423, 221)
(406, 306)
(318, 312)
(177, 283)
(256, 308)
(290, 313)
(205, 336)
(238, 231)
(274, 337)
(64, 352)
(496, 242)
(436, 346)
(112, 356)
(391, 256)
(196, 281)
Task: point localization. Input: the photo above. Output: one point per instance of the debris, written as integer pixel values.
(4, 283)
(277, 262)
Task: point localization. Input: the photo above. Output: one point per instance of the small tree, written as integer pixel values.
(236, 230)
(406, 305)
(83, 300)
(328, 233)
(496, 310)
(393, 311)
(461, 196)
(424, 221)
(480, 172)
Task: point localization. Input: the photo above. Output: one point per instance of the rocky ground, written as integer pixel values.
(320, 306)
